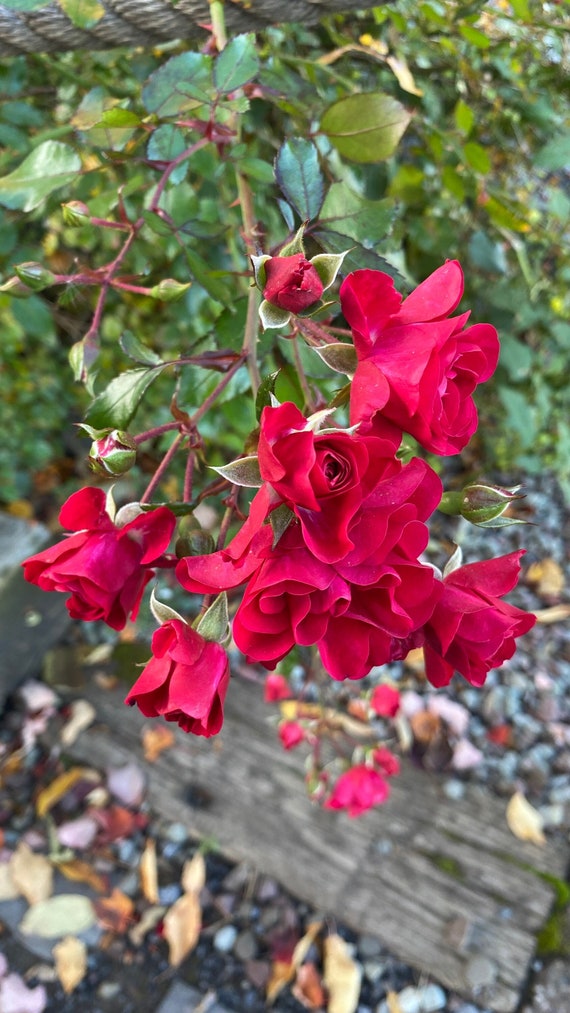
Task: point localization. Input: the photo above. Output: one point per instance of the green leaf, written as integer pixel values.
(165, 144)
(464, 117)
(265, 390)
(477, 157)
(237, 64)
(298, 174)
(203, 274)
(181, 83)
(474, 36)
(135, 350)
(256, 168)
(365, 128)
(358, 257)
(555, 155)
(117, 405)
(83, 13)
(50, 166)
(26, 5)
(347, 212)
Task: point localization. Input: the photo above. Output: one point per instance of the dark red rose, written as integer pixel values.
(185, 681)
(357, 790)
(103, 567)
(417, 366)
(471, 630)
(292, 283)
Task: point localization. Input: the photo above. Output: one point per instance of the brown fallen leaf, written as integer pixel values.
(55, 791)
(148, 872)
(182, 926)
(283, 971)
(79, 871)
(70, 962)
(341, 976)
(31, 874)
(155, 739)
(548, 576)
(308, 988)
(524, 821)
(114, 913)
(193, 877)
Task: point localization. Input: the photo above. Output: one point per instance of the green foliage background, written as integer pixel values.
(480, 174)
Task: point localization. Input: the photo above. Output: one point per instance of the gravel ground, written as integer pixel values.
(518, 735)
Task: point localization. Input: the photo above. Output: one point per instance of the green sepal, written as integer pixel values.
(214, 625)
(296, 244)
(339, 356)
(163, 613)
(327, 266)
(259, 273)
(244, 471)
(280, 519)
(273, 316)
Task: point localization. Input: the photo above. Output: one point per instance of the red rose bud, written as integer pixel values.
(113, 454)
(292, 283)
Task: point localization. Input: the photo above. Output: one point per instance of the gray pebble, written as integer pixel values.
(454, 789)
(246, 946)
(369, 946)
(225, 938)
(481, 971)
(177, 833)
(169, 894)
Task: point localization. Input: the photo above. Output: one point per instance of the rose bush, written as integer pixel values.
(185, 681)
(417, 366)
(103, 567)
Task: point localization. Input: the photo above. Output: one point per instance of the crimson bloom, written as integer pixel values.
(185, 681)
(291, 734)
(417, 365)
(357, 790)
(471, 629)
(292, 283)
(385, 701)
(103, 567)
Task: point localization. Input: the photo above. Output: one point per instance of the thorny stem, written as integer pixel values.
(182, 157)
(162, 467)
(307, 393)
(207, 404)
(314, 333)
(218, 23)
(188, 476)
(227, 518)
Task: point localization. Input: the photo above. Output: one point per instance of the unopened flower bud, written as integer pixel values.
(481, 504)
(113, 454)
(76, 213)
(169, 290)
(34, 275)
(16, 288)
(194, 543)
(292, 283)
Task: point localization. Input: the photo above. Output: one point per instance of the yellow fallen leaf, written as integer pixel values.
(554, 614)
(148, 872)
(32, 874)
(548, 576)
(341, 975)
(182, 926)
(82, 715)
(155, 739)
(524, 821)
(62, 784)
(193, 877)
(292, 710)
(403, 75)
(79, 871)
(393, 1003)
(70, 962)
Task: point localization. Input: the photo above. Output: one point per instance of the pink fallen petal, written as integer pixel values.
(79, 833)
(455, 715)
(127, 784)
(411, 703)
(16, 997)
(36, 696)
(466, 755)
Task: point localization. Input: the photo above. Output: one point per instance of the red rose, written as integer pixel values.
(185, 681)
(323, 477)
(471, 629)
(387, 763)
(416, 365)
(357, 790)
(291, 734)
(105, 568)
(292, 283)
(385, 701)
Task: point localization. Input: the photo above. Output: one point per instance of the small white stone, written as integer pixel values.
(225, 938)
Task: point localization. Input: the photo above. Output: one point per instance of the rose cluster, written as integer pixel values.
(331, 552)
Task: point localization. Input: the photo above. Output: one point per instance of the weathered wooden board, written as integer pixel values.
(444, 884)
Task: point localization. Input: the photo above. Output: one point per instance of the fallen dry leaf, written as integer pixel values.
(425, 726)
(554, 614)
(117, 822)
(114, 913)
(62, 784)
(148, 920)
(292, 710)
(524, 821)
(548, 576)
(8, 889)
(341, 976)
(59, 916)
(148, 872)
(70, 962)
(308, 988)
(193, 877)
(155, 739)
(82, 715)
(393, 1003)
(415, 661)
(403, 75)
(32, 874)
(283, 971)
(182, 926)
(79, 871)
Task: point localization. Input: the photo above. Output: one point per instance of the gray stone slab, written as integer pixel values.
(18, 539)
(181, 998)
